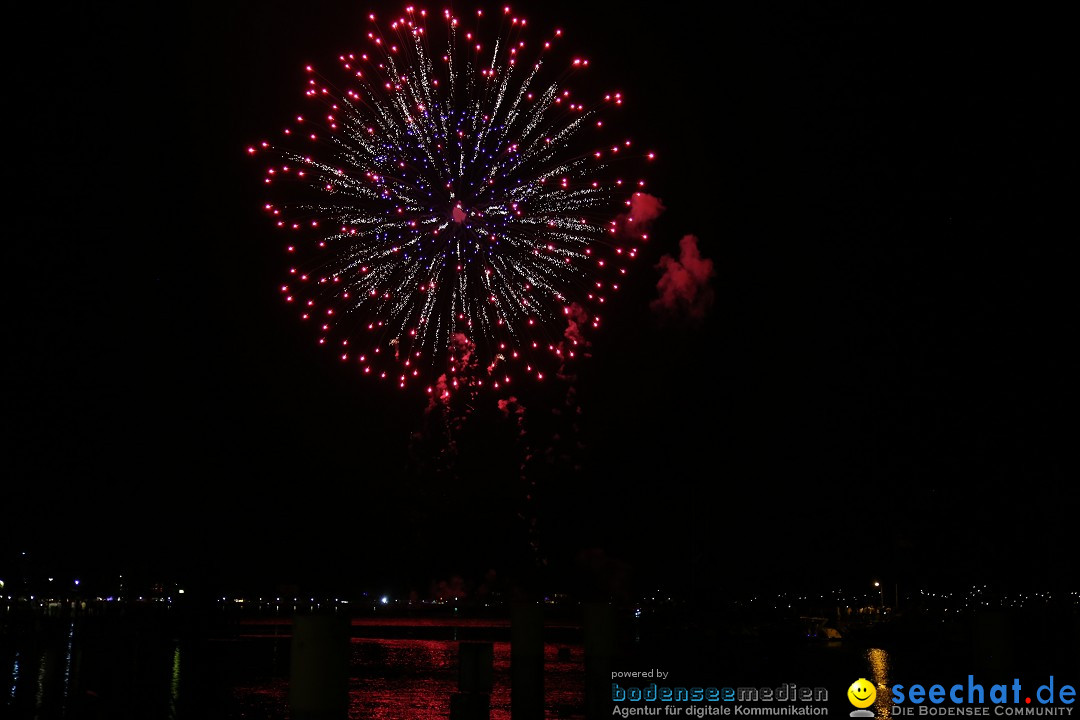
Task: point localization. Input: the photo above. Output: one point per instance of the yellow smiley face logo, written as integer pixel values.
(862, 693)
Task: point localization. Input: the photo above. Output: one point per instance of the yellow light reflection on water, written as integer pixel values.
(40, 698)
(878, 660)
(174, 685)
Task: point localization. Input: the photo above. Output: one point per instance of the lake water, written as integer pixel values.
(403, 670)
(126, 669)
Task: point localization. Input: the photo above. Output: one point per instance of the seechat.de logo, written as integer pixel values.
(1052, 698)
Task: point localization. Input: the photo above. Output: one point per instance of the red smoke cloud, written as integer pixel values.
(462, 369)
(684, 286)
(644, 208)
(574, 340)
(511, 407)
(450, 589)
(461, 349)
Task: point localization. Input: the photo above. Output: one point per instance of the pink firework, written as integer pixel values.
(447, 187)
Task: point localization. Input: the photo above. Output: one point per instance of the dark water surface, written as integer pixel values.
(140, 667)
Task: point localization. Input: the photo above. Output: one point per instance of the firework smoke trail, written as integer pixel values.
(511, 407)
(449, 186)
(454, 398)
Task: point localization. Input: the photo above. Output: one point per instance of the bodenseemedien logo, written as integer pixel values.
(713, 701)
(862, 695)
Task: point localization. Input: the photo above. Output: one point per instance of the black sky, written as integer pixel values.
(883, 376)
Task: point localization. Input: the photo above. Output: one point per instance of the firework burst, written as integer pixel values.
(447, 188)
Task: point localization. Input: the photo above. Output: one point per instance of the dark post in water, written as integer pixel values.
(476, 676)
(319, 668)
(600, 647)
(527, 662)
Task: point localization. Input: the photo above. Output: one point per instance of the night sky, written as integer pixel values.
(879, 389)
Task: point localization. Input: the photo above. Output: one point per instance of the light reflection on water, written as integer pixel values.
(878, 660)
(39, 699)
(391, 678)
(407, 679)
(174, 684)
(73, 672)
(67, 659)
